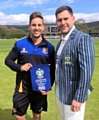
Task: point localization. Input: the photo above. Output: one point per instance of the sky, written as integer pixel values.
(16, 12)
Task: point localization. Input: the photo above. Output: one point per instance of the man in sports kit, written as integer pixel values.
(29, 51)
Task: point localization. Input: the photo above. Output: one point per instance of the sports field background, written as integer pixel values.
(7, 83)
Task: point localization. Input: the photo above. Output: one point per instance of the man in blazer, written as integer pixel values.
(74, 66)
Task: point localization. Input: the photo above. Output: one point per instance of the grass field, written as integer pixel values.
(7, 83)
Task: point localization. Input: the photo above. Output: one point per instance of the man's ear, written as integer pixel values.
(43, 27)
(74, 18)
(29, 26)
(56, 22)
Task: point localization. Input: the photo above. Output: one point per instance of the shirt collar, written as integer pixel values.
(42, 43)
(67, 36)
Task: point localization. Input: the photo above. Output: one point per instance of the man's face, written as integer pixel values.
(65, 21)
(36, 27)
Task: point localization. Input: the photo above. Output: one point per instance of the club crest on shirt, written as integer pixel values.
(24, 50)
(67, 59)
(45, 50)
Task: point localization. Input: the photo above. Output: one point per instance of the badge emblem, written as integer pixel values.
(39, 73)
(67, 59)
(45, 50)
(24, 50)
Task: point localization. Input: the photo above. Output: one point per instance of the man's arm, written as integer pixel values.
(11, 58)
(86, 64)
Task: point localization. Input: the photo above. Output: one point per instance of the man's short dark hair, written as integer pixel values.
(62, 8)
(35, 15)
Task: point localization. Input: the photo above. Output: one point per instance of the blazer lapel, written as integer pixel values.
(71, 37)
(58, 46)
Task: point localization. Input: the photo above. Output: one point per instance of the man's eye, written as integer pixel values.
(59, 20)
(39, 25)
(65, 18)
(36, 25)
(33, 25)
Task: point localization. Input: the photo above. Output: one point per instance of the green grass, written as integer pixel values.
(7, 84)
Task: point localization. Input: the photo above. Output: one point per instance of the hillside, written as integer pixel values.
(91, 25)
(11, 32)
(21, 27)
(18, 31)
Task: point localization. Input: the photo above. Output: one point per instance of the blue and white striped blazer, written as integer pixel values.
(76, 67)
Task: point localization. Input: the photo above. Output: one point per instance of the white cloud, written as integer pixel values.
(34, 2)
(39, 2)
(87, 17)
(15, 3)
(50, 9)
(49, 18)
(23, 19)
(70, 1)
(9, 4)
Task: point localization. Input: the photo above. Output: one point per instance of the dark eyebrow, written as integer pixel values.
(60, 19)
(35, 24)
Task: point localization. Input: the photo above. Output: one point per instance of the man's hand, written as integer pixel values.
(44, 92)
(26, 67)
(76, 106)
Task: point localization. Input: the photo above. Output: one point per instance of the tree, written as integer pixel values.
(81, 25)
(12, 32)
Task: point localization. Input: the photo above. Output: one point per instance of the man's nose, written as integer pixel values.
(36, 27)
(63, 21)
